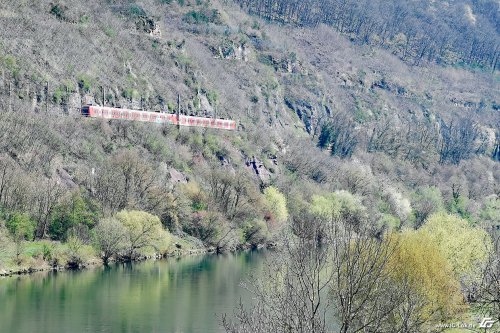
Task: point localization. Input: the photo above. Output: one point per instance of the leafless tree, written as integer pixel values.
(458, 140)
(489, 288)
(293, 296)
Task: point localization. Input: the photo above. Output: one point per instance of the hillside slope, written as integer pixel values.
(316, 114)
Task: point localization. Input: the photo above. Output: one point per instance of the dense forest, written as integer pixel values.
(368, 140)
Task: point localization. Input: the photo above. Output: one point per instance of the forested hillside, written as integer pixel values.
(454, 32)
(388, 113)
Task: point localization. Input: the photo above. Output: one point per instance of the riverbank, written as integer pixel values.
(180, 248)
(54, 256)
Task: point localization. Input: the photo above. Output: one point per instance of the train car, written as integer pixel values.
(95, 111)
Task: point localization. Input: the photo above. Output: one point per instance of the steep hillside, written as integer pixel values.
(317, 113)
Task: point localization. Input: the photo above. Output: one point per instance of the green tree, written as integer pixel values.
(424, 277)
(73, 212)
(143, 230)
(22, 228)
(340, 205)
(465, 247)
(276, 204)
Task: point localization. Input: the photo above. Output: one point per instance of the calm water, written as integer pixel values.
(177, 295)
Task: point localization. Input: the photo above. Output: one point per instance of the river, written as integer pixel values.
(185, 295)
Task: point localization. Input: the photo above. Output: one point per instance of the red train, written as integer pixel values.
(94, 111)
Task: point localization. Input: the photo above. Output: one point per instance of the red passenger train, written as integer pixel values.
(94, 111)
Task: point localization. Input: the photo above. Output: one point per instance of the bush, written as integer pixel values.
(58, 11)
(77, 253)
(135, 10)
(85, 83)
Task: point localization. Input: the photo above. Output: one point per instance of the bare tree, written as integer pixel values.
(489, 288)
(110, 238)
(293, 296)
(339, 135)
(46, 199)
(458, 140)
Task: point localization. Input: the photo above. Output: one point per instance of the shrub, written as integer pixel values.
(109, 31)
(202, 16)
(136, 10)
(58, 11)
(77, 253)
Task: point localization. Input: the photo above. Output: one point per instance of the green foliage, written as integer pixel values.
(276, 204)
(458, 205)
(20, 226)
(390, 221)
(84, 19)
(195, 195)
(466, 248)
(202, 16)
(130, 93)
(336, 205)
(58, 11)
(324, 137)
(255, 232)
(73, 212)
(9, 62)
(85, 82)
(62, 92)
(76, 252)
(144, 231)
(40, 249)
(419, 267)
(266, 59)
(212, 96)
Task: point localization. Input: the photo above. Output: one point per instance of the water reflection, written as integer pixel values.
(175, 295)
